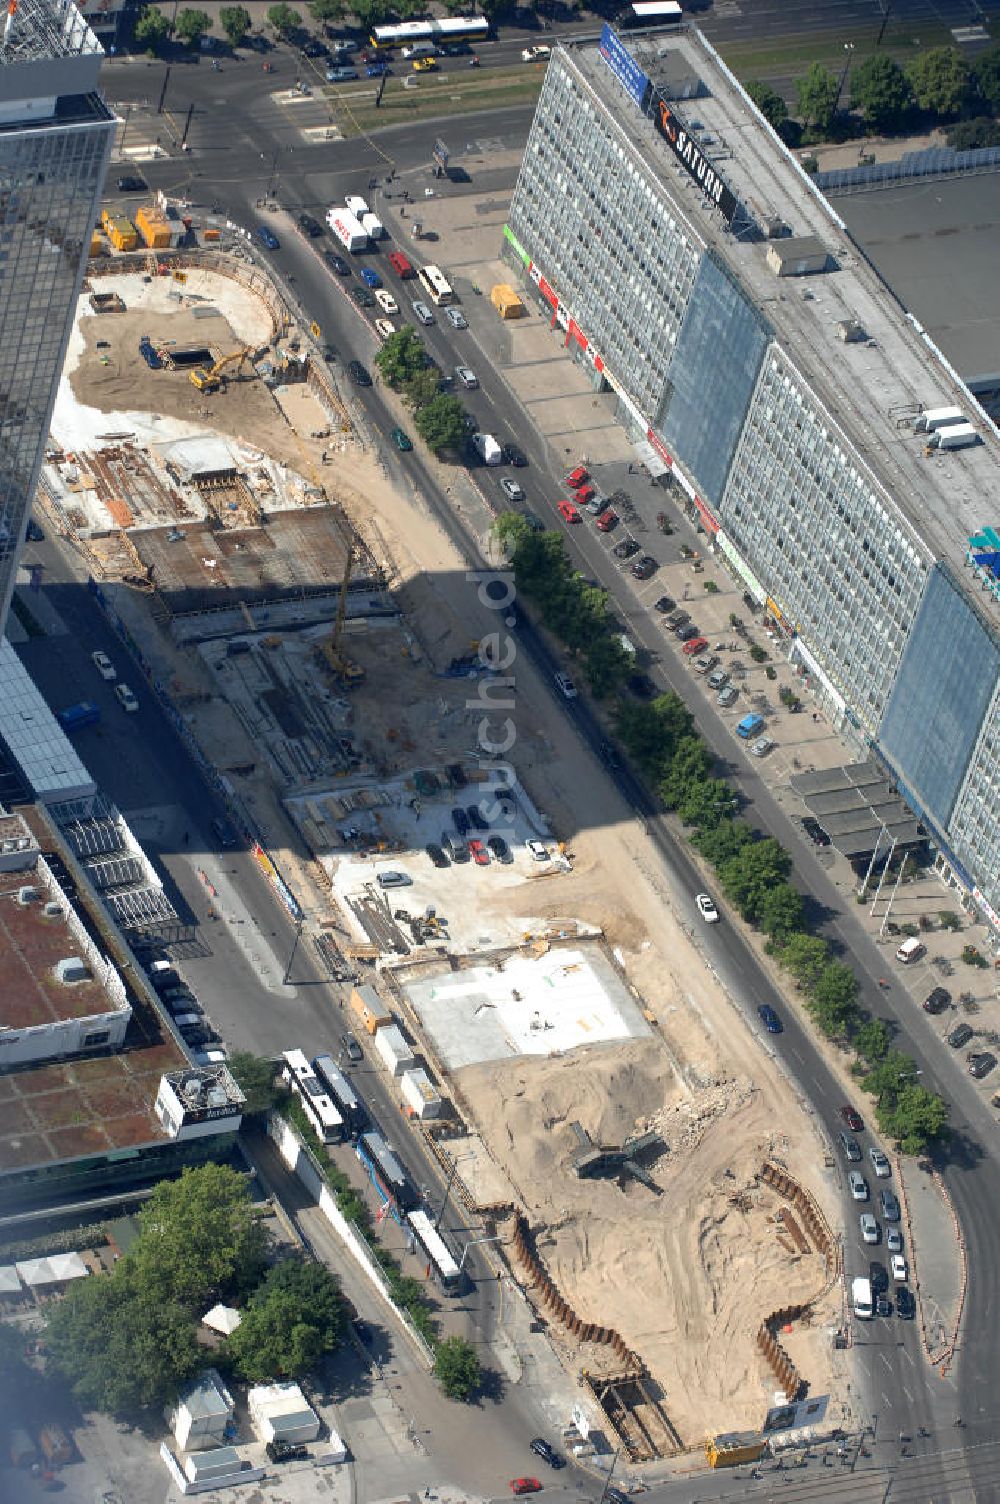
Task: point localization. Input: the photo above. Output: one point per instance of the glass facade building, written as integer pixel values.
(55, 141)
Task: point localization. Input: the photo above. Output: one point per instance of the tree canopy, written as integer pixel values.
(941, 82)
(881, 90)
(768, 101)
(987, 77)
(256, 1078)
(199, 1240)
(283, 19)
(327, 10)
(817, 95)
(441, 423)
(292, 1319)
(192, 25)
(401, 357)
(235, 22)
(456, 1368)
(152, 28)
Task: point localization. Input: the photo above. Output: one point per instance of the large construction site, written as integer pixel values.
(660, 1195)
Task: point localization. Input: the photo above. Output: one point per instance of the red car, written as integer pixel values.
(525, 1486)
(696, 645)
(577, 477)
(607, 521)
(568, 512)
(585, 494)
(480, 855)
(852, 1118)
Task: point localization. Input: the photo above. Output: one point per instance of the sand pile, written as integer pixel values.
(686, 1276)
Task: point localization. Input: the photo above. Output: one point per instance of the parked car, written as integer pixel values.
(525, 1486)
(858, 1185)
(960, 1034)
(869, 1228)
(286, 1451)
(762, 746)
(728, 696)
(576, 478)
(363, 297)
(770, 1019)
(568, 512)
(500, 850)
(906, 1306)
(351, 1049)
(370, 277)
(340, 75)
(480, 855)
(877, 1275)
(625, 549)
(937, 1000)
(541, 1448)
(267, 238)
(665, 604)
(899, 1270)
(815, 831)
(104, 666)
(883, 1305)
(851, 1148)
(393, 879)
(705, 663)
(852, 1118)
(607, 522)
(694, 645)
(596, 505)
(687, 632)
(566, 686)
(706, 908)
(386, 301)
(880, 1163)
(894, 1240)
(436, 855)
(645, 568)
(981, 1062)
(718, 679)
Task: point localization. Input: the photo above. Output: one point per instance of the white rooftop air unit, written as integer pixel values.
(53, 909)
(26, 895)
(72, 969)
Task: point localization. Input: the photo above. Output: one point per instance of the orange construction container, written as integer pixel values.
(154, 229)
(97, 245)
(120, 231)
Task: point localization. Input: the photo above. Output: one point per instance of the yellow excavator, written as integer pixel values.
(209, 379)
(347, 672)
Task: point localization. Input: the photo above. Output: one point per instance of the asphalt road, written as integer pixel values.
(900, 1394)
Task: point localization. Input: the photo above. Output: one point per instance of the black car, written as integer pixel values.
(815, 831)
(981, 1062)
(358, 374)
(309, 226)
(461, 820)
(362, 296)
(34, 533)
(131, 183)
(626, 548)
(436, 854)
(351, 1049)
(878, 1276)
(642, 686)
(665, 604)
(937, 1001)
(960, 1034)
(315, 48)
(457, 849)
(224, 832)
(476, 820)
(686, 632)
(906, 1306)
(883, 1305)
(337, 264)
(541, 1448)
(286, 1451)
(500, 850)
(616, 1495)
(644, 568)
(511, 455)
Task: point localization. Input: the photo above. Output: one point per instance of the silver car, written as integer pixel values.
(859, 1186)
(456, 318)
(423, 312)
(511, 489)
(728, 696)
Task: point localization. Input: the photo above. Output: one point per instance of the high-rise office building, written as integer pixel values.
(55, 141)
(834, 458)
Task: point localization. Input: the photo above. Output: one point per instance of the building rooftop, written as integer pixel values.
(871, 390)
(34, 738)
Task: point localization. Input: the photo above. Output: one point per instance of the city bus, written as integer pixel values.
(432, 1247)
(318, 1108)
(435, 284)
(445, 32)
(649, 13)
(390, 1181)
(340, 1091)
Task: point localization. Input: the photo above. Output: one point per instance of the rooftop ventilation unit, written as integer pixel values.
(72, 969)
(53, 909)
(26, 895)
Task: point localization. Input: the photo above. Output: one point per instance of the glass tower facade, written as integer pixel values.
(55, 141)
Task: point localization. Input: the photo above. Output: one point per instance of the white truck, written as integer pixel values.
(349, 231)
(487, 448)
(955, 436)
(356, 205)
(938, 417)
(373, 226)
(861, 1298)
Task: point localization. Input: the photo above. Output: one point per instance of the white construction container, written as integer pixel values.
(281, 1412)
(373, 225)
(955, 436)
(938, 417)
(396, 1055)
(420, 1094)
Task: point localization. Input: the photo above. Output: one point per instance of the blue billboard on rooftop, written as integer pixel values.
(624, 66)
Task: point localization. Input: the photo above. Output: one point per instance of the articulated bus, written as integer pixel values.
(432, 1247)
(447, 31)
(318, 1107)
(340, 1091)
(435, 284)
(391, 1182)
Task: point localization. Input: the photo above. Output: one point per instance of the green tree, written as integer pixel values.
(817, 96)
(15, 1376)
(768, 101)
(292, 1319)
(723, 842)
(401, 357)
(199, 1238)
(456, 1368)
(256, 1078)
(915, 1118)
(969, 135)
(121, 1346)
(192, 25)
(283, 19)
(747, 876)
(328, 11)
(805, 957)
(152, 28)
(881, 90)
(834, 1000)
(781, 911)
(941, 82)
(706, 802)
(510, 531)
(887, 1077)
(421, 388)
(650, 732)
(235, 22)
(606, 664)
(690, 764)
(986, 69)
(377, 12)
(441, 424)
(872, 1040)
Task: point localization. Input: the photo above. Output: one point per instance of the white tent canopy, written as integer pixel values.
(222, 1319)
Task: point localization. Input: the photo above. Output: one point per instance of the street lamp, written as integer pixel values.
(848, 48)
(471, 1244)
(451, 1181)
(286, 979)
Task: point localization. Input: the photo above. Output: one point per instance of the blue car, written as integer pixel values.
(267, 238)
(376, 70)
(370, 278)
(768, 1017)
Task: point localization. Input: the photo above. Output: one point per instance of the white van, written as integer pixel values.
(911, 950)
(861, 1298)
(420, 49)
